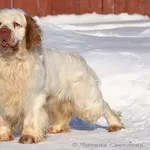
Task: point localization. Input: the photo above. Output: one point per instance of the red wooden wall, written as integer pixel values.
(54, 7)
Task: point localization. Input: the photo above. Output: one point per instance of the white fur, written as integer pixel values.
(18, 16)
(46, 82)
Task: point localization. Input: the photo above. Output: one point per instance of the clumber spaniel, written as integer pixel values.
(40, 87)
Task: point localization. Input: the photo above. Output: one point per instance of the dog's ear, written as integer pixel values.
(33, 33)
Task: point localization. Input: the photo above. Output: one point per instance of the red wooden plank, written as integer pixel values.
(96, 6)
(45, 7)
(71, 7)
(120, 6)
(134, 6)
(5, 4)
(30, 6)
(58, 7)
(108, 6)
(48, 7)
(84, 6)
(146, 5)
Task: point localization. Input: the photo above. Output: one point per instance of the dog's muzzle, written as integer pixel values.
(7, 44)
(5, 36)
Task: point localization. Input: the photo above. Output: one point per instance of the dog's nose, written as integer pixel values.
(5, 33)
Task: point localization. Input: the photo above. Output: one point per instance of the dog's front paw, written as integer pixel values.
(28, 139)
(6, 137)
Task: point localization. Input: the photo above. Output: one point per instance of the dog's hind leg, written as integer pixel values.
(88, 102)
(113, 120)
(89, 105)
(60, 115)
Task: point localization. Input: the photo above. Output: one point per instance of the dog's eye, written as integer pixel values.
(0, 23)
(16, 24)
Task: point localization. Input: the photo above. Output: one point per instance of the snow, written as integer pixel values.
(117, 47)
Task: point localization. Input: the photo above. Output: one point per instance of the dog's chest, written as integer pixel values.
(13, 82)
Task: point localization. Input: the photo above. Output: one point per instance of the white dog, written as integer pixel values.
(39, 86)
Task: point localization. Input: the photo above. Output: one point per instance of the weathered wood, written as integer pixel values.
(108, 6)
(58, 7)
(134, 6)
(71, 7)
(120, 6)
(96, 6)
(146, 6)
(30, 6)
(84, 6)
(5, 4)
(46, 7)
(54, 7)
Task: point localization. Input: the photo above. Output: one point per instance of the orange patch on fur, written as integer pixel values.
(33, 34)
(55, 130)
(6, 137)
(114, 128)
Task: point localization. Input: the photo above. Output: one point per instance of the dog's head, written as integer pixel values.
(18, 30)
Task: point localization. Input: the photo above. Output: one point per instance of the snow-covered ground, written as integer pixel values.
(117, 47)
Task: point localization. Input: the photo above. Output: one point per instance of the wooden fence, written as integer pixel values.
(54, 7)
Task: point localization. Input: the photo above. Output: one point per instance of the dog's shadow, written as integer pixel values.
(79, 124)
